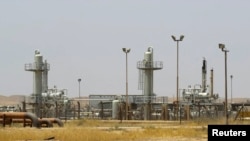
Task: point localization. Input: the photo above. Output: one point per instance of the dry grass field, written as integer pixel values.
(113, 130)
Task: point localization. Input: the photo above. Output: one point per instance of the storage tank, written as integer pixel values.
(115, 109)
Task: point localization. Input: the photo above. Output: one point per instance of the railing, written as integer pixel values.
(153, 65)
(36, 66)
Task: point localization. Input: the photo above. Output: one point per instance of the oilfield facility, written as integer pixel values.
(46, 106)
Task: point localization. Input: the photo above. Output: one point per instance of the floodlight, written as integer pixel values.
(181, 37)
(173, 37)
(221, 46)
(128, 50)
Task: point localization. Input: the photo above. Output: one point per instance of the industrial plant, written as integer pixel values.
(46, 106)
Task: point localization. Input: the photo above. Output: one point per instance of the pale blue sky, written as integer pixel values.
(84, 39)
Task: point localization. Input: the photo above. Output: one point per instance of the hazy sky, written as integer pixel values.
(84, 39)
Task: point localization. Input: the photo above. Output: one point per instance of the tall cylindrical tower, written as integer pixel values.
(148, 74)
(212, 83)
(45, 77)
(38, 67)
(148, 66)
(204, 75)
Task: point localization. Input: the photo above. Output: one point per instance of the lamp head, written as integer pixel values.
(173, 37)
(221, 46)
(79, 80)
(181, 37)
(126, 50)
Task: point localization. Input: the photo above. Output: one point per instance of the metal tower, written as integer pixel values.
(146, 67)
(40, 83)
(204, 75)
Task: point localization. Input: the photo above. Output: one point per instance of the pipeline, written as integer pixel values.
(20, 115)
(42, 122)
(47, 122)
(55, 120)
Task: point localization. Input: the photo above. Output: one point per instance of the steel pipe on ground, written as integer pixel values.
(20, 115)
(42, 122)
(47, 122)
(55, 120)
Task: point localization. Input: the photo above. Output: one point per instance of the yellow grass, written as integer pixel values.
(109, 130)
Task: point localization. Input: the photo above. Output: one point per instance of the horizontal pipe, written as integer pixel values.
(41, 121)
(47, 122)
(35, 121)
(21, 115)
(12, 114)
(55, 120)
(17, 120)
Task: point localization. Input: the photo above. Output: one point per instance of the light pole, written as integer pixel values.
(126, 50)
(231, 76)
(223, 48)
(177, 78)
(79, 80)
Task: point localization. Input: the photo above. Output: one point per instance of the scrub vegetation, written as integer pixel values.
(114, 130)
